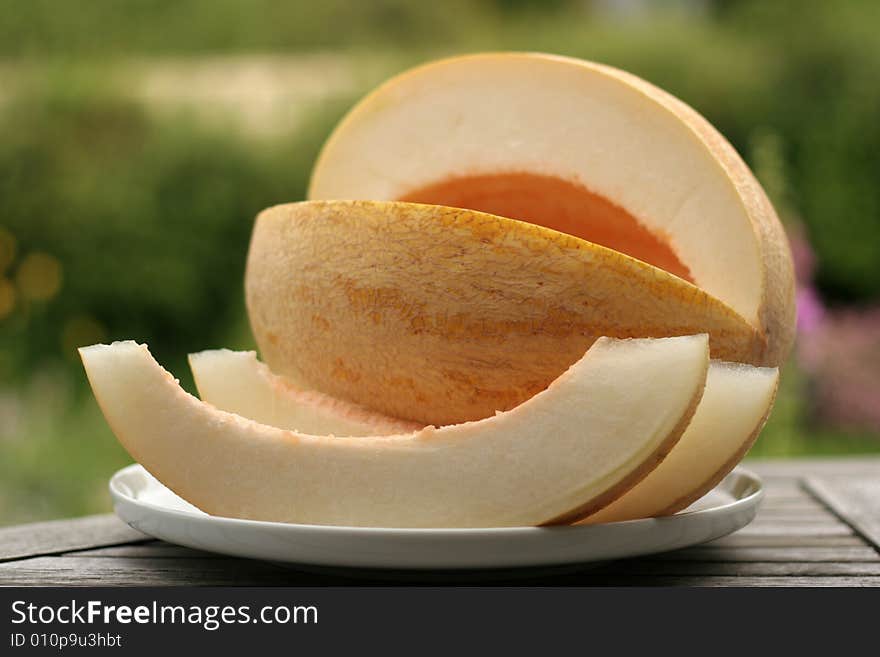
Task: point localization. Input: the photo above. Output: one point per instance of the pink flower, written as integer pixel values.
(839, 348)
(803, 256)
(810, 311)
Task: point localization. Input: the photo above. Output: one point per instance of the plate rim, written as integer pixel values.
(119, 494)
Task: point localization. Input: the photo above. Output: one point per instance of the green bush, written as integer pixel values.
(804, 73)
(149, 221)
(99, 27)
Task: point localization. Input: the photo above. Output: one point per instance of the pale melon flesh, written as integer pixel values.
(235, 381)
(568, 451)
(735, 405)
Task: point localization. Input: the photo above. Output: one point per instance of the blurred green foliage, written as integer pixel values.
(149, 220)
(99, 27)
(128, 223)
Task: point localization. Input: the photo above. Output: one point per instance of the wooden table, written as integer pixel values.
(819, 525)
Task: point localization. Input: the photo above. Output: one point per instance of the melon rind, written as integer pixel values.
(439, 315)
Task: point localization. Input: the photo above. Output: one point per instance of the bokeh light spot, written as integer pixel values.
(80, 331)
(7, 249)
(39, 276)
(7, 297)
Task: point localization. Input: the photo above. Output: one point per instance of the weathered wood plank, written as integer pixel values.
(783, 487)
(811, 523)
(866, 466)
(791, 498)
(725, 581)
(805, 498)
(854, 499)
(738, 540)
(805, 504)
(759, 529)
(150, 550)
(744, 568)
(61, 535)
(159, 549)
(794, 513)
(122, 571)
(98, 571)
(778, 554)
(794, 541)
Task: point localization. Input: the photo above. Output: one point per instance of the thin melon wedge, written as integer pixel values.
(736, 402)
(565, 453)
(235, 381)
(735, 405)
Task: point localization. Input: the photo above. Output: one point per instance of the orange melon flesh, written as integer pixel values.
(345, 297)
(570, 450)
(235, 381)
(558, 204)
(735, 405)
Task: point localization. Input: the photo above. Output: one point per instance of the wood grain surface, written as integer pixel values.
(819, 525)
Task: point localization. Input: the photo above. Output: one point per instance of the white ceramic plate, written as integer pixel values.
(149, 507)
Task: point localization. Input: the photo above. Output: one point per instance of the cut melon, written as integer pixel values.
(235, 381)
(568, 451)
(572, 146)
(735, 405)
(349, 298)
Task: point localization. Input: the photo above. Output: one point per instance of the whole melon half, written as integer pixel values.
(476, 223)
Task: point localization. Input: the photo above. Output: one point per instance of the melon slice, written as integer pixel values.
(349, 298)
(733, 409)
(735, 405)
(569, 145)
(570, 450)
(235, 381)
